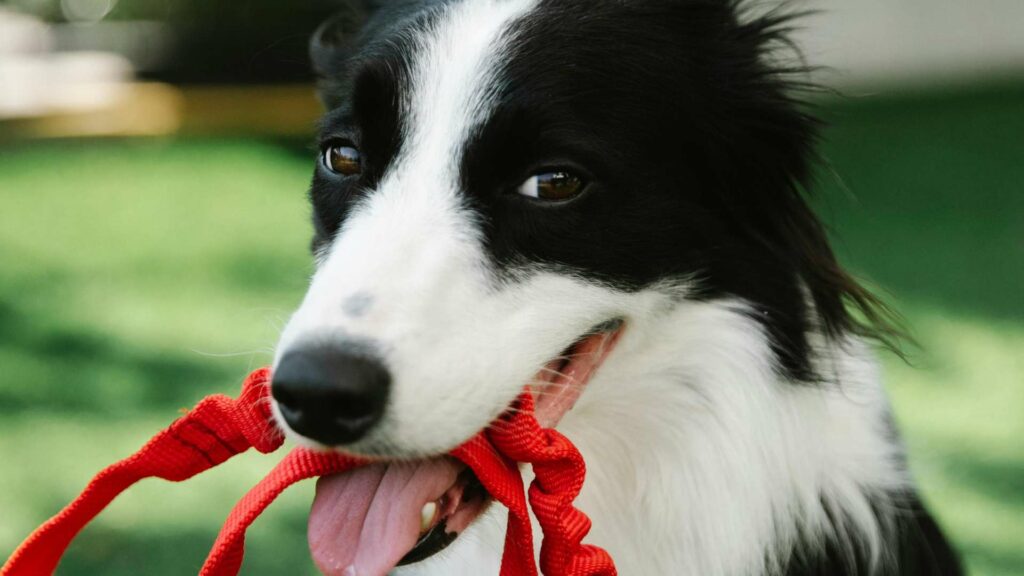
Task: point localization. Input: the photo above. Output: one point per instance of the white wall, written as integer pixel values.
(870, 42)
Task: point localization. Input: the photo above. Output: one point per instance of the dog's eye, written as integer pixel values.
(554, 185)
(343, 159)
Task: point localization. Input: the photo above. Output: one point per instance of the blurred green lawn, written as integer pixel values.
(138, 276)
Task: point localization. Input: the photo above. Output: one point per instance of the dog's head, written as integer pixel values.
(507, 186)
(501, 179)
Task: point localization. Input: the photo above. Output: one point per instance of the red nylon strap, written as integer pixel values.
(219, 427)
(215, 430)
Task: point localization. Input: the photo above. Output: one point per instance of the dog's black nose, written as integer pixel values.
(330, 395)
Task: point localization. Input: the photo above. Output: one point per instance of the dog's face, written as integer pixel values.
(499, 178)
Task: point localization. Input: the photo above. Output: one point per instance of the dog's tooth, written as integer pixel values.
(427, 516)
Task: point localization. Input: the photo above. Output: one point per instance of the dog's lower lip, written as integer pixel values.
(435, 540)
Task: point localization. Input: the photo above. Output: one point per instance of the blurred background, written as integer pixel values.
(154, 157)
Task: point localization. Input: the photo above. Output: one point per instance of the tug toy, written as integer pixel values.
(220, 427)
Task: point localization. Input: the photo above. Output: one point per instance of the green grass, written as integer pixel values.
(925, 195)
(138, 277)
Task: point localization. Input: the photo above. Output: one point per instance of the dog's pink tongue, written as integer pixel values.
(365, 521)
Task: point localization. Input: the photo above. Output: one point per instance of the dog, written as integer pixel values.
(603, 201)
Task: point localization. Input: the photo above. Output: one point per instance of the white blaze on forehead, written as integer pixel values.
(411, 229)
(409, 243)
(416, 209)
(454, 81)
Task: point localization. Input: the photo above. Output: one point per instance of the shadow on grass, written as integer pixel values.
(1001, 480)
(65, 369)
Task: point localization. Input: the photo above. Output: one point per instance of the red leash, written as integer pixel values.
(220, 427)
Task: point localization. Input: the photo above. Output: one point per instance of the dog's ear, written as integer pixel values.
(332, 45)
(333, 40)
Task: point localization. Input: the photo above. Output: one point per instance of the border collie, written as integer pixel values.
(601, 200)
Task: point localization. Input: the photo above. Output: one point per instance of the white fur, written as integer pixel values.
(701, 460)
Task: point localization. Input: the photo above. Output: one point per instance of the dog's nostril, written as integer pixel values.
(285, 398)
(330, 395)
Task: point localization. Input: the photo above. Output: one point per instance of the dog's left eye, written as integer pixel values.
(553, 186)
(343, 159)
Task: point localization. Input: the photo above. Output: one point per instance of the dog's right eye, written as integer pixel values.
(343, 159)
(555, 185)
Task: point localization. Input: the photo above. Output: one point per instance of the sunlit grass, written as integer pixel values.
(960, 406)
(138, 277)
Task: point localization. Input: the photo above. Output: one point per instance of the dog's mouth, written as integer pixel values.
(367, 521)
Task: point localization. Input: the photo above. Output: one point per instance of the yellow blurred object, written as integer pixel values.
(154, 109)
(287, 110)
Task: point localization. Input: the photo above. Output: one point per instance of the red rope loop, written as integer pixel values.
(219, 427)
(559, 471)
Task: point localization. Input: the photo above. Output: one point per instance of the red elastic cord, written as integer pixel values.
(219, 427)
(559, 471)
